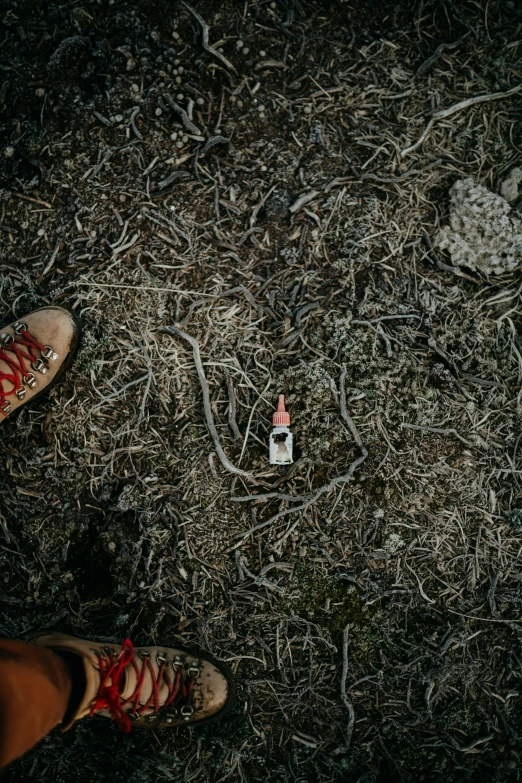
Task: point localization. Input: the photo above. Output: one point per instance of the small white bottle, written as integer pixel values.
(281, 441)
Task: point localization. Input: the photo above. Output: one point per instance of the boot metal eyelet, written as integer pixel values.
(6, 338)
(20, 327)
(30, 380)
(177, 663)
(143, 654)
(193, 669)
(161, 657)
(49, 354)
(186, 712)
(40, 366)
(20, 393)
(6, 407)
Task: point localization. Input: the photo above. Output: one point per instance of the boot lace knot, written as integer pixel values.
(112, 669)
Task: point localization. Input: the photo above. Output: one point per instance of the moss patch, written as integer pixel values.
(328, 601)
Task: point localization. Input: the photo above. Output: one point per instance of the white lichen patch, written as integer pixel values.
(483, 234)
(510, 188)
(393, 543)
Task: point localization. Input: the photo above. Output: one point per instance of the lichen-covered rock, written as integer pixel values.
(483, 234)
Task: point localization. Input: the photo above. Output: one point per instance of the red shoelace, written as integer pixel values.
(15, 351)
(112, 669)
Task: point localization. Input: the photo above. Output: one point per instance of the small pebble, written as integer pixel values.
(177, 62)
(40, 92)
(307, 109)
(240, 104)
(273, 5)
(261, 108)
(262, 115)
(175, 36)
(239, 44)
(315, 233)
(173, 136)
(135, 88)
(264, 168)
(118, 118)
(161, 85)
(162, 74)
(123, 197)
(246, 50)
(181, 70)
(262, 53)
(178, 79)
(179, 144)
(184, 139)
(179, 96)
(200, 101)
(220, 50)
(233, 99)
(175, 72)
(40, 232)
(158, 112)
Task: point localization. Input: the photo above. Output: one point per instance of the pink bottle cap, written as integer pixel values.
(281, 418)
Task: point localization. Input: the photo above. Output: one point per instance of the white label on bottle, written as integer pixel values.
(281, 443)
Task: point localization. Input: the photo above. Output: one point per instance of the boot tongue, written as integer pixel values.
(144, 670)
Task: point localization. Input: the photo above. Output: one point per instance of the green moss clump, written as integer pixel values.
(331, 603)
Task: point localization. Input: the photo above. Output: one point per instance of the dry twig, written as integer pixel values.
(344, 696)
(232, 409)
(443, 113)
(174, 331)
(204, 37)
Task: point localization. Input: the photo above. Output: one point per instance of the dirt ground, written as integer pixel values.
(255, 193)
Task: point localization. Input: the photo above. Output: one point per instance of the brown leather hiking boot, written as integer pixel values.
(35, 353)
(150, 686)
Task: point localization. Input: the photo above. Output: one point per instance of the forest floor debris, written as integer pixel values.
(235, 170)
